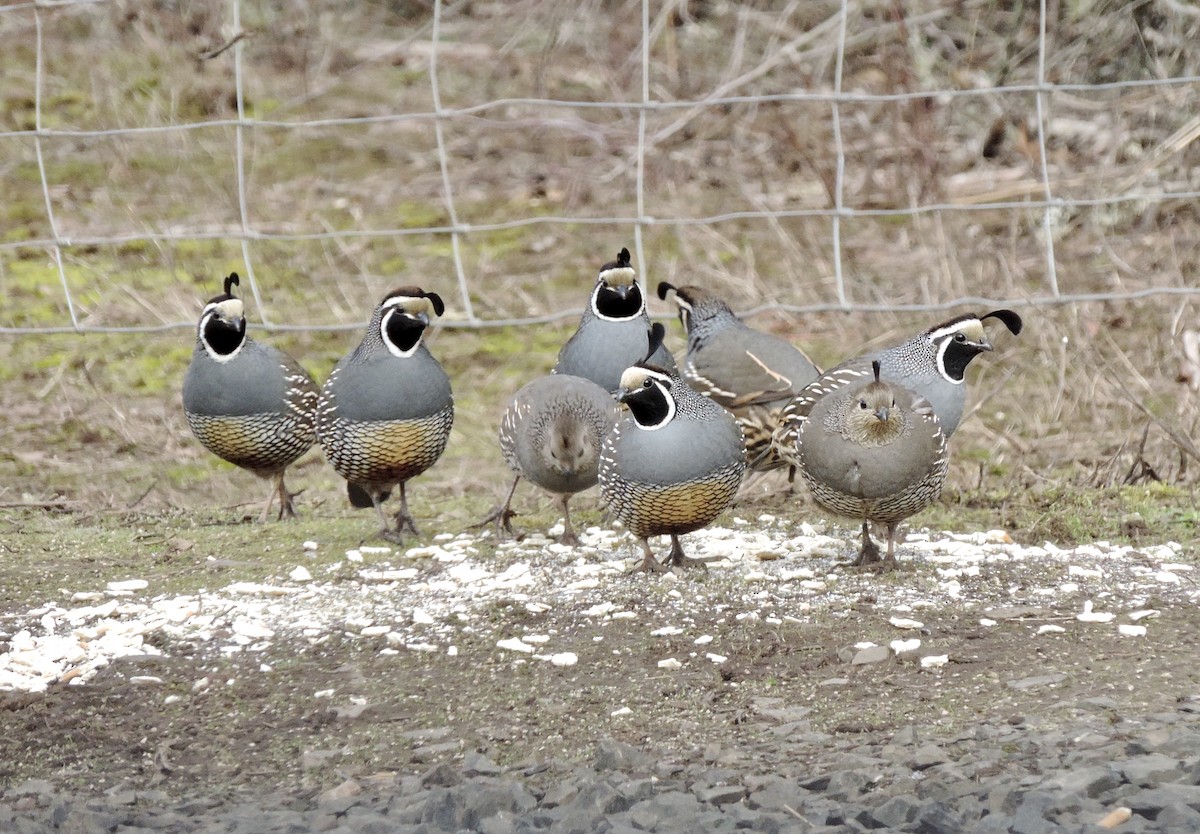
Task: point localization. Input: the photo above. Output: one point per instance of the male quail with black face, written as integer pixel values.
(932, 365)
(672, 465)
(614, 332)
(386, 410)
(247, 402)
(551, 434)
(751, 373)
(875, 452)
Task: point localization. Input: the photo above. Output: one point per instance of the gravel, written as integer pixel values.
(1133, 776)
(1085, 768)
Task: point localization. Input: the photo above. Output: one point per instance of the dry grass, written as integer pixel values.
(1086, 397)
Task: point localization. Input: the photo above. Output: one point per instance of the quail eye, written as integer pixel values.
(960, 337)
(862, 404)
(646, 383)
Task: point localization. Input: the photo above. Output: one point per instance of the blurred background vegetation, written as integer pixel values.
(1080, 427)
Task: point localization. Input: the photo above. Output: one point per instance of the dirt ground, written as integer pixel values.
(203, 721)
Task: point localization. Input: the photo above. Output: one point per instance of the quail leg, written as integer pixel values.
(386, 531)
(266, 510)
(869, 555)
(502, 516)
(677, 559)
(568, 537)
(889, 561)
(403, 516)
(649, 563)
(286, 508)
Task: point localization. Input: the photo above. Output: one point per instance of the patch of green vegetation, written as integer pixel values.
(1069, 515)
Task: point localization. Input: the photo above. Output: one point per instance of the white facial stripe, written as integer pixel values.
(659, 381)
(941, 363)
(393, 349)
(209, 312)
(957, 327)
(683, 304)
(618, 275)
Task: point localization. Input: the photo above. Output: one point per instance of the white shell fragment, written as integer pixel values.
(934, 661)
(515, 644)
(1090, 616)
(772, 579)
(128, 585)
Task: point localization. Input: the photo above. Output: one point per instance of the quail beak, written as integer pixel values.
(622, 394)
(983, 345)
(881, 414)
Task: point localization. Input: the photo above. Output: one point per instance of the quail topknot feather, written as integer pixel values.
(751, 373)
(672, 465)
(932, 365)
(247, 402)
(614, 331)
(875, 452)
(386, 410)
(551, 434)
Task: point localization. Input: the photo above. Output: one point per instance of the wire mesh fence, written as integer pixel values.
(801, 156)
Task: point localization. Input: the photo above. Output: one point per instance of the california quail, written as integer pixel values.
(614, 331)
(248, 403)
(386, 410)
(932, 365)
(873, 451)
(752, 373)
(672, 465)
(551, 434)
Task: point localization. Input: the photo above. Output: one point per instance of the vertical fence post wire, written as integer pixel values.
(1048, 212)
(463, 290)
(41, 162)
(240, 154)
(641, 145)
(840, 172)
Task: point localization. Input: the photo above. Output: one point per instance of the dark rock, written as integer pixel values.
(441, 776)
(1150, 769)
(896, 811)
(444, 810)
(499, 798)
(477, 764)
(615, 755)
(1087, 781)
(1031, 814)
(1149, 803)
(720, 794)
(938, 818)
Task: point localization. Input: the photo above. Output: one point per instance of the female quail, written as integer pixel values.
(673, 464)
(873, 451)
(752, 373)
(551, 434)
(614, 332)
(246, 402)
(386, 410)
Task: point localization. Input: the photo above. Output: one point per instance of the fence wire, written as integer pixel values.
(665, 109)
